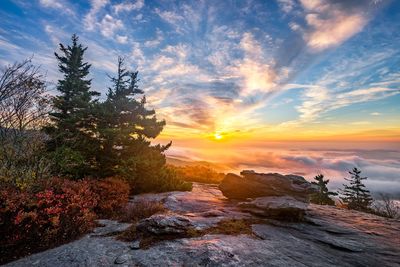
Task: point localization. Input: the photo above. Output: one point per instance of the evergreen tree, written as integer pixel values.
(355, 195)
(322, 197)
(126, 128)
(73, 128)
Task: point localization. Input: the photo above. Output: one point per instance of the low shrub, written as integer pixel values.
(53, 213)
(113, 196)
(198, 173)
(164, 180)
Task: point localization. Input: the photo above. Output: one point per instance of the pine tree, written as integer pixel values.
(355, 195)
(126, 128)
(73, 128)
(322, 197)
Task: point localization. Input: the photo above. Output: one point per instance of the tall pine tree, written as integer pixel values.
(73, 127)
(126, 127)
(355, 195)
(323, 196)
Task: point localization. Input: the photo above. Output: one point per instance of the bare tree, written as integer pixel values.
(23, 110)
(387, 207)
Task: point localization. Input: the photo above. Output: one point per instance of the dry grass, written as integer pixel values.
(225, 227)
(233, 227)
(141, 210)
(135, 212)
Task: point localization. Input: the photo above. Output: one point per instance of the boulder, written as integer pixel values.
(120, 259)
(135, 245)
(164, 224)
(253, 185)
(283, 208)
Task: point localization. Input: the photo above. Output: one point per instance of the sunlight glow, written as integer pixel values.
(218, 136)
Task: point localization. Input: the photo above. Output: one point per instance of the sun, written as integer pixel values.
(218, 136)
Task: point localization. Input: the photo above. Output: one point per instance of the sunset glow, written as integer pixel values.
(218, 136)
(232, 77)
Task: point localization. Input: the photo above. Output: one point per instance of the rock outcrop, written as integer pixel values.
(273, 195)
(282, 208)
(164, 224)
(254, 185)
(328, 237)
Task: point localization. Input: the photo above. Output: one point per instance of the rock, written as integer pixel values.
(254, 185)
(164, 224)
(135, 245)
(121, 259)
(109, 227)
(328, 237)
(284, 208)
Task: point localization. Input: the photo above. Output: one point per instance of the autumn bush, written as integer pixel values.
(54, 212)
(113, 196)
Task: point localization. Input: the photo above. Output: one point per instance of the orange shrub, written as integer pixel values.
(113, 195)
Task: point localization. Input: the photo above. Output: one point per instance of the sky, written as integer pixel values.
(310, 84)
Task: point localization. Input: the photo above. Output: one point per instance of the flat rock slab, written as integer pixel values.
(329, 237)
(282, 208)
(109, 227)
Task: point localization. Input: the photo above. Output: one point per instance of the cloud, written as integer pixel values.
(109, 25)
(122, 39)
(169, 16)
(286, 5)
(383, 173)
(90, 19)
(137, 54)
(258, 75)
(330, 23)
(375, 114)
(319, 100)
(128, 6)
(56, 4)
(101, 57)
(138, 17)
(156, 41)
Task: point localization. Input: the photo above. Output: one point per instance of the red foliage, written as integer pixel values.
(113, 195)
(60, 211)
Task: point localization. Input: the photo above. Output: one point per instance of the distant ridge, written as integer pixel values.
(187, 162)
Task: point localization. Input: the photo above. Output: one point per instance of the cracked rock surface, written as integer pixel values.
(328, 236)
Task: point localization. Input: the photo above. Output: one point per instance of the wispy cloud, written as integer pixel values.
(90, 19)
(169, 16)
(57, 4)
(109, 25)
(330, 23)
(156, 41)
(128, 6)
(122, 39)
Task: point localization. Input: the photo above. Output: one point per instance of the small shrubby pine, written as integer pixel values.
(355, 195)
(323, 196)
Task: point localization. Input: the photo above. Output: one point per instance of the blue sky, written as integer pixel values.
(271, 67)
